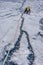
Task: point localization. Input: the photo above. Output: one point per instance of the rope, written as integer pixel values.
(13, 40)
(14, 35)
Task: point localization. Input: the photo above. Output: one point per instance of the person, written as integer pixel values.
(27, 10)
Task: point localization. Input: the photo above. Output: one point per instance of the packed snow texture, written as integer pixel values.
(22, 36)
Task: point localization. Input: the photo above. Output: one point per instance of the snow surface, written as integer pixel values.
(10, 22)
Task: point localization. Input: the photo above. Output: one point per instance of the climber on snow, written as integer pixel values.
(27, 10)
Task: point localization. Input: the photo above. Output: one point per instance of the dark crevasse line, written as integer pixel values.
(31, 56)
(21, 24)
(27, 36)
(29, 45)
(17, 46)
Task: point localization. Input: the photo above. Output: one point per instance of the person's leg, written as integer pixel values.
(25, 11)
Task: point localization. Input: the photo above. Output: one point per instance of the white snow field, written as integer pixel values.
(21, 36)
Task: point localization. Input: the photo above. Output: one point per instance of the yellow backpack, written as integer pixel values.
(28, 8)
